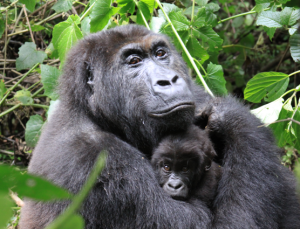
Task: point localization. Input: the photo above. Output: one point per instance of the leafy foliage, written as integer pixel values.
(250, 50)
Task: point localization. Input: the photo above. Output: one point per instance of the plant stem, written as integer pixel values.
(240, 46)
(144, 19)
(294, 73)
(20, 80)
(186, 51)
(10, 109)
(86, 12)
(240, 15)
(193, 10)
(200, 66)
(37, 92)
(78, 199)
(6, 8)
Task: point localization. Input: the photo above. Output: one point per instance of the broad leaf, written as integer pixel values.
(62, 6)
(129, 8)
(29, 185)
(269, 112)
(65, 35)
(270, 31)
(29, 56)
(196, 50)
(24, 97)
(260, 7)
(289, 16)
(215, 79)
(5, 209)
(85, 26)
(143, 8)
(36, 28)
(101, 13)
(49, 79)
(269, 19)
(2, 89)
(33, 130)
(74, 222)
(168, 8)
(179, 21)
(30, 4)
(199, 20)
(266, 84)
(295, 46)
(207, 34)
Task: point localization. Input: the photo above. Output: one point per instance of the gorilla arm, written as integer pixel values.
(126, 195)
(255, 190)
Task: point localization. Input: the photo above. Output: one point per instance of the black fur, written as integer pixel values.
(127, 111)
(185, 168)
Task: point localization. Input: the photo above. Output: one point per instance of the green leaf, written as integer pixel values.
(33, 130)
(30, 4)
(74, 222)
(2, 89)
(62, 6)
(201, 2)
(151, 4)
(24, 97)
(294, 29)
(213, 7)
(2, 27)
(65, 35)
(279, 128)
(29, 185)
(215, 79)
(145, 11)
(269, 112)
(297, 128)
(207, 34)
(5, 209)
(196, 50)
(129, 8)
(36, 28)
(199, 20)
(260, 7)
(179, 21)
(85, 26)
(28, 56)
(295, 46)
(289, 16)
(270, 84)
(49, 79)
(168, 8)
(101, 13)
(269, 19)
(270, 31)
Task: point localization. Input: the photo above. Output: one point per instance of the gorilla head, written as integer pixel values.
(149, 95)
(184, 165)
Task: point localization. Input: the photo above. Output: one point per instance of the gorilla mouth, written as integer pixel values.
(170, 110)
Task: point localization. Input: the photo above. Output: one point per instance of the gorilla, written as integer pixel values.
(185, 167)
(123, 90)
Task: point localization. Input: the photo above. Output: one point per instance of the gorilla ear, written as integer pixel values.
(90, 74)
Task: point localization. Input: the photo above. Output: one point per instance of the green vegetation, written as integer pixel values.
(251, 51)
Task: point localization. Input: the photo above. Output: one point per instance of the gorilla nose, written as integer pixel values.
(169, 85)
(175, 184)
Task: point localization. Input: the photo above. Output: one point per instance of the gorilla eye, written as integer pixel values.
(185, 169)
(160, 53)
(135, 60)
(167, 167)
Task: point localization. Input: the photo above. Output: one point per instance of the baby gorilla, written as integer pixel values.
(185, 167)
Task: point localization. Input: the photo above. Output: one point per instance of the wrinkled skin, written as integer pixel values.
(185, 168)
(119, 92)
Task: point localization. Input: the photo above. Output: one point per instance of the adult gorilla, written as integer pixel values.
(123, 90)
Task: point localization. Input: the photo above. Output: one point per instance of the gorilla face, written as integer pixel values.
(145, 89)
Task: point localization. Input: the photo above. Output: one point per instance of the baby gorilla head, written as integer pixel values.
(184, 165)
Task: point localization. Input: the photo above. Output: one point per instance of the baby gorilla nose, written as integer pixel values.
(175, 184)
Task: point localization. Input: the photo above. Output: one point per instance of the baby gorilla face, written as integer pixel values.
(181, 160)
(177, 174)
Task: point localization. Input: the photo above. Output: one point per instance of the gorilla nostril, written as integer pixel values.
(163, 83)
(175, 186)
(175, 79)
(178, 186)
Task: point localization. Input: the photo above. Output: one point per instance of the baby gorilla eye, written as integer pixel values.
(185, 169)
(167, 167)
(160, 53)
(135, 60)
